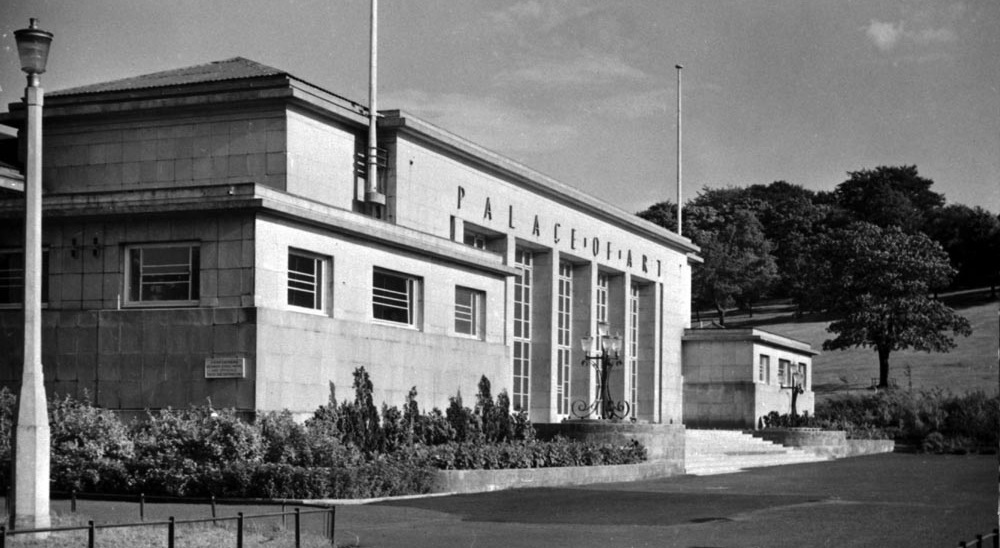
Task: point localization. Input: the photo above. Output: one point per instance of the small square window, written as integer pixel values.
(764, 369)
(784, 372)
(394, 297)
(12, 278)
(305, 280)
(162, 274)
(475, 240)
(469, 312)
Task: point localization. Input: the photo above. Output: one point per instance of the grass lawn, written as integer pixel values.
(969, 367)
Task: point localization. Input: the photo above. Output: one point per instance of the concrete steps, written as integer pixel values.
(708, 452)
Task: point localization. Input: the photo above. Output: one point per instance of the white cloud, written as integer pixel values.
(885, 36)
(543, 16)
(487, 122)
(587, 68)
(933, 36)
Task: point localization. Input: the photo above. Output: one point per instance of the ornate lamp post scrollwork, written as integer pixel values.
(602, 353)
(796, 389)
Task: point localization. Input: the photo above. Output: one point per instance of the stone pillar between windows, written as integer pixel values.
(543, 336)
(583, 378)
(648, 377)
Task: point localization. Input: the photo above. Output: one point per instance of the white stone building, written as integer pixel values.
(207, 235)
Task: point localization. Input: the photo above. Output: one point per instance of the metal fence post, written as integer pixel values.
(979, 541)
(3, 536)
(996, 538)
(91, 533)
(298, 530)
(170, 532)
(239, 530)
(333, 519)
(142, 506)
(213, 509)
(283, 524)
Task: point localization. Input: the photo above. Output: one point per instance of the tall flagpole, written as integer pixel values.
(372, 187)
(679, 67)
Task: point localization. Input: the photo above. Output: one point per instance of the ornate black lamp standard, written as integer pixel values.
(602, 353)
(31, 441)
(796, 388)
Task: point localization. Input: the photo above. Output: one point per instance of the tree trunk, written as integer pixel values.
(883, 367)
(722, 315)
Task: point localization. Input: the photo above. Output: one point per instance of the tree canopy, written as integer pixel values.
(889, 196)
(878, 286)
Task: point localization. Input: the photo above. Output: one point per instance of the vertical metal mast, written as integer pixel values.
(679, 67)
(372, 183)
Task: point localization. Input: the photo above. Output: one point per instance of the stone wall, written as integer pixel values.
(664, 443)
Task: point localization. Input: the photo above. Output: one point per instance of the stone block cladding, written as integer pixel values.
(159, 152)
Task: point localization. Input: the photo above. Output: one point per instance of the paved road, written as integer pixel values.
(885, 500)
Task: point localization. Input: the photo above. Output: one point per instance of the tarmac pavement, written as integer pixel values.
(884, 500)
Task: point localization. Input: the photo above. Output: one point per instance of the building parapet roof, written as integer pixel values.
(749, 335)
(239, 80)
(534, 180)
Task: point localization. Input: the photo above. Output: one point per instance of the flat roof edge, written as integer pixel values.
(408, 124)
(749, 335)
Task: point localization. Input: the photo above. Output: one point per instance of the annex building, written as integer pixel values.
(208, 234)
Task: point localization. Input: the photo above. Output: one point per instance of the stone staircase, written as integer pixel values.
(708, 452)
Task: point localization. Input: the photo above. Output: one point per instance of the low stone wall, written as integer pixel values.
(664, 445)
(828, 443)
(477, 481)
(663, 442)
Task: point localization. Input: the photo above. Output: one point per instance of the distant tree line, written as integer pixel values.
(872, 252)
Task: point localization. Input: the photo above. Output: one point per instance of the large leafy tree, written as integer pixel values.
(738, 267)
(878, 286)
(971, 236)
(888, 196)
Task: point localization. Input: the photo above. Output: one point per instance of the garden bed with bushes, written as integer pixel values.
(345, 450)
(932, 421)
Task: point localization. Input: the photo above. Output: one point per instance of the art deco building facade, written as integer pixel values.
(208, 234)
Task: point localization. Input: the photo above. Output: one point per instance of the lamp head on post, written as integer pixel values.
(33, 49)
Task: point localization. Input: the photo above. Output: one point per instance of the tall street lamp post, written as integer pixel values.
(602, 352)
(31, 461)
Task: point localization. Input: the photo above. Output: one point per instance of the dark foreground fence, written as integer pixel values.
(240, 520)
(978, 543)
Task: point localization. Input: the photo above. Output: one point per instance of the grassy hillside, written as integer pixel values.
(970, 366)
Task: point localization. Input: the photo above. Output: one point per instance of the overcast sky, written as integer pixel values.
(585, 91)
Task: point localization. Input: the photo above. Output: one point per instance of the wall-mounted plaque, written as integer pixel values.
(226, 367)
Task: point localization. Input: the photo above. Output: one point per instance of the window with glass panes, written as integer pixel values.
(523, 262)
(469, 312)
(394, 297)
(564, 316)
(164, 274)
(12, 277)
(305, 280)
(784, 372)
(764, 369)
(602, 297)
(633, 347)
